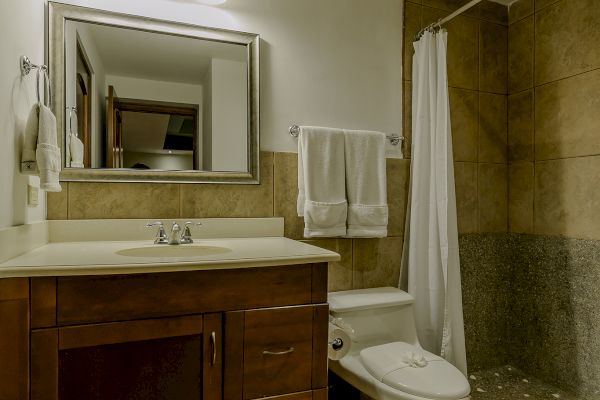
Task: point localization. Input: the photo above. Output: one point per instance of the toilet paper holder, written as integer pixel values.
(336, 343)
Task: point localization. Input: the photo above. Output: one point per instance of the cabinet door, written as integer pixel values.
(148, 359)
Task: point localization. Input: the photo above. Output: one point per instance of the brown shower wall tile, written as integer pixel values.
(519, 10)
(520, 126)
(567, 197)
(520, 197)
(493, 53)
(407, 119)
(340, 272)
(465, 177)
(493, 197)
(463, 48)
(492, 128)
(520, 55)
(464, 112)
(376, 262)
(566, 40)
(566, 117)
(539, 4)
(122, 200)
(452, 5)
(494, 12)
(412, 25)
(57, 203)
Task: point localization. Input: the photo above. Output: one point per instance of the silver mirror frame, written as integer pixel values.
(59, 14)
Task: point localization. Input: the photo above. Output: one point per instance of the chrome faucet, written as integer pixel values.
(174, 237)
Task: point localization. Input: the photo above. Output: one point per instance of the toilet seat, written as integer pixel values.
(390, 364)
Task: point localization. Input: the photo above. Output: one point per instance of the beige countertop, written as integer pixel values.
(101, 258)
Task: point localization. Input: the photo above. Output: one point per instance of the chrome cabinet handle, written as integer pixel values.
(213, 342)
(278, 353)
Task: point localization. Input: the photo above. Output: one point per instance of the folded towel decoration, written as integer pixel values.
(342, 183)
(321, 182)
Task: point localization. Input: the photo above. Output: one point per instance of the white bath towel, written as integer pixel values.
(76, 151)
(47, 152)
(366, 183)
(321, 182)
(28, 160)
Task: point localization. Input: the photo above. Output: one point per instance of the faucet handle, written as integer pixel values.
(161, 235)
(186, 236)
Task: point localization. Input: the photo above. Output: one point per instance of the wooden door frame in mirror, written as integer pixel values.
(59, 14)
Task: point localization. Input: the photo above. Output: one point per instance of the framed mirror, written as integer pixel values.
(144, 100)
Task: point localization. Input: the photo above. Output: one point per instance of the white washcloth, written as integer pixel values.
(47, 152)
(366, 184)
(76, 151)
(321, 182)
(28, 161)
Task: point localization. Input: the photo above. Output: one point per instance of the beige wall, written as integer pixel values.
(477, 55)
(554, 104)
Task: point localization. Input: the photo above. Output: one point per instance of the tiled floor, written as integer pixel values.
(508, 383)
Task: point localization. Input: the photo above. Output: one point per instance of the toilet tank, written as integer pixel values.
(374, 316)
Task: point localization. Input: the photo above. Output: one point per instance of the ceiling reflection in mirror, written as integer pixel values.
(144, 100)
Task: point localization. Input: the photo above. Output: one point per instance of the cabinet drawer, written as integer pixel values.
(92, 299)
(277, 351)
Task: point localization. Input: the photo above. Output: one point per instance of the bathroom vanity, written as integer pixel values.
(228, 326)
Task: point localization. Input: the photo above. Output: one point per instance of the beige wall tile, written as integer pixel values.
(452, 5)
(493, 53)
(463, 48)
(567, 117)
(520, 126)
(492, 128)
(520, 55)
(520, 197)
(464, 112)
(412, 25)
(340, 272)
(519, 10)
(57, 203)
(567, 39)
(567, 197)
(285, 173)
(398, 178)
(492, 196)
(376, 262)
(407, 121)
(123, 200)
(211, 200)
(465, 177)
(494, 12)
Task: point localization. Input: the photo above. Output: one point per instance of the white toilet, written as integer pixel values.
(386, 361)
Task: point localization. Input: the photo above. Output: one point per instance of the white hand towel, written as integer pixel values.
(28, 161)
(76, 151)
(321, 182)
(366, 184)
(47, 152)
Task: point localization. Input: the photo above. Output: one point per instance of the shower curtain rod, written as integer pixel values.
(442, 21)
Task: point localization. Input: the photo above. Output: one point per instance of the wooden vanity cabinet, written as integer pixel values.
(235, 334)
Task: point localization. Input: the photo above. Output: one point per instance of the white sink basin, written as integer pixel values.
(173, 251)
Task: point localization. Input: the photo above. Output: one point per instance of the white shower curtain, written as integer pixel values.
(431, 267)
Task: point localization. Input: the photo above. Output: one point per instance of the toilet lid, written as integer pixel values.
(437, 379)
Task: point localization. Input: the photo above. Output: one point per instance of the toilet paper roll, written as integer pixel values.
(339, 342)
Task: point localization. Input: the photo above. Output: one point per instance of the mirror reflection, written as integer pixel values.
(144, 100)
